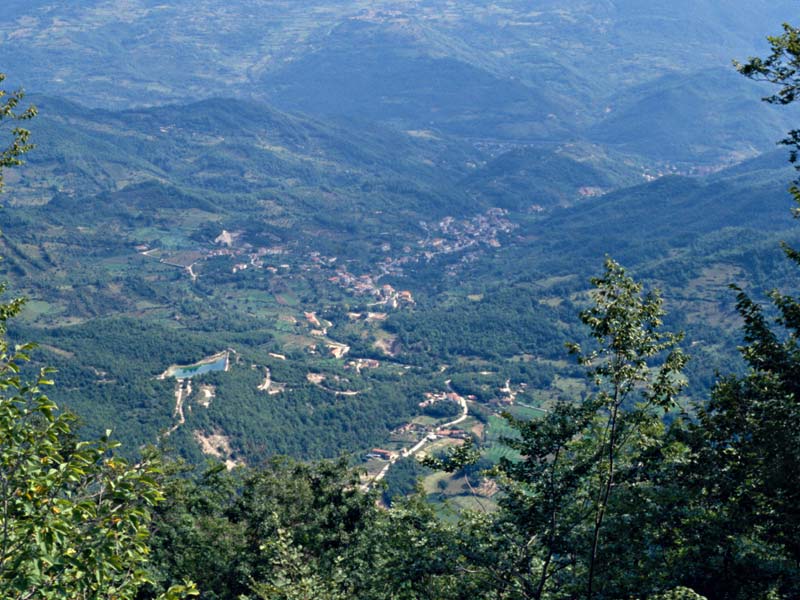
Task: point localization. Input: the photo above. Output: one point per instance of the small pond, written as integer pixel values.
(218, 362)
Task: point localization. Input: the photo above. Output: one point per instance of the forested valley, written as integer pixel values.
(425, 302)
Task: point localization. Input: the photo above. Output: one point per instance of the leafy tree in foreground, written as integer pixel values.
(288, 530)
(285, 529)
(747, 441)
(626, 327)
(567, 501)
(582, 454)
(782, 68)
(9, 103)
(74, 518)
(740, 529)
(729, 507)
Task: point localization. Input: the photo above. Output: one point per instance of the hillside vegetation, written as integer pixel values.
(342, 281)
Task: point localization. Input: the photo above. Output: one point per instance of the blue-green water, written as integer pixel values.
(199, 369)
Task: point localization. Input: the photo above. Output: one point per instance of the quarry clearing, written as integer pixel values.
(206, 394)
(218, 445)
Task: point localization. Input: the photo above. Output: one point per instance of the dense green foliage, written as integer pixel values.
(607, 501)
(75, 517)
(402, 479)
(608, 486)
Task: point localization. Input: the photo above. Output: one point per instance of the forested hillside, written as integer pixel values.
(159, 237)
(147, 238)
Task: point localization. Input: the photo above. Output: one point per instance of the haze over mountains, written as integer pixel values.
(209, 174)
(500, 70)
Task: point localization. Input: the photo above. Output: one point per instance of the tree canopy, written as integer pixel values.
(10, 113)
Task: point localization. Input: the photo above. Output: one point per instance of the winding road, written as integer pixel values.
(183, 389)
(422, 443)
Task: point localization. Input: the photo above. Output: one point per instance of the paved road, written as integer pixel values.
(422, 443)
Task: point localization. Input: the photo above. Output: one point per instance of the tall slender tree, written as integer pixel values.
(581, 453)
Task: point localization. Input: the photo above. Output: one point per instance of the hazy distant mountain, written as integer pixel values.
(533, 179)
(707, 115)
(475, 68)
(219, 148)
(386, 72)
